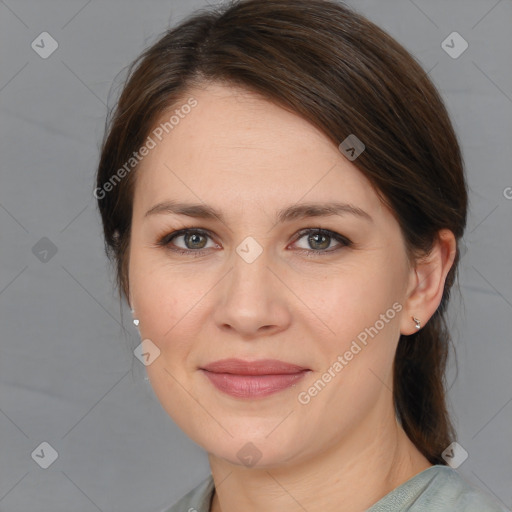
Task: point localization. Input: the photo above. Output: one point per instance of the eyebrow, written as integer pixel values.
(293, 212)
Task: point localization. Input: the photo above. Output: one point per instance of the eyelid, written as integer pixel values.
(323, 231)
(165, 240)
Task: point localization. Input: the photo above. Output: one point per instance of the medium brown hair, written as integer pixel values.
(344, 75)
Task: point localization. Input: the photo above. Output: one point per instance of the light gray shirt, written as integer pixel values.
(436, 489)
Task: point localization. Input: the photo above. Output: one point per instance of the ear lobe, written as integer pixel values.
(427, 280)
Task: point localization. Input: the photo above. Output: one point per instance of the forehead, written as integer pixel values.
(235, 144)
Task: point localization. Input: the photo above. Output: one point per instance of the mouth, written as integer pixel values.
(253, 379)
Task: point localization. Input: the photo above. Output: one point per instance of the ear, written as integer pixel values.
(426, 282)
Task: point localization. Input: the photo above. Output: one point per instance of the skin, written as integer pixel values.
(248, 158)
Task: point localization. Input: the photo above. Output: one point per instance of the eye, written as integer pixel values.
(194, 241)
(320, 240)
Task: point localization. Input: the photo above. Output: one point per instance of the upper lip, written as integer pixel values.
(259, 367)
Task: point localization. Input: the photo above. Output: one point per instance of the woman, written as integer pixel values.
(283, 195)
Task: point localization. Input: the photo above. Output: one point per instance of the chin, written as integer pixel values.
(252, 455)
(252, 447)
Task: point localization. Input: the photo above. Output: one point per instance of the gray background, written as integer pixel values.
(67, 373)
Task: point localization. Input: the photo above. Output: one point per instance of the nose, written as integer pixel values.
(252, 299)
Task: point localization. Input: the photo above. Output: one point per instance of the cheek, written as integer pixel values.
(165, 308)
(170, 304)
(351, 300)
(357, 315)
(362, 312)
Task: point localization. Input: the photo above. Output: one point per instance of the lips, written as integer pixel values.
(261, 367)
(253, 379)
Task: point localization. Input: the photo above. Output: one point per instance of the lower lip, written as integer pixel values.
(252, 386)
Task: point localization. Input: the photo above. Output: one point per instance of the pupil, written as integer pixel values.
(194, 238)
(315, 239)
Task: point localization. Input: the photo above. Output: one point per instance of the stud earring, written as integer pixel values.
(417, 322)
(135, 320)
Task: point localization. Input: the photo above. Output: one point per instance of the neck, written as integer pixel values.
(356, 472)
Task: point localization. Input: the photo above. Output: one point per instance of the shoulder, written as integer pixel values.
(464, 496)
(437, 489)
(197, 500)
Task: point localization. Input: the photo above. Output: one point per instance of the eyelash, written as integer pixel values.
(165, 241)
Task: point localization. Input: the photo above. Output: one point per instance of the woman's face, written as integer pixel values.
(254, 284)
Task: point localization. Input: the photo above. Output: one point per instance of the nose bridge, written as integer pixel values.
(249, 299)
(250, 262)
